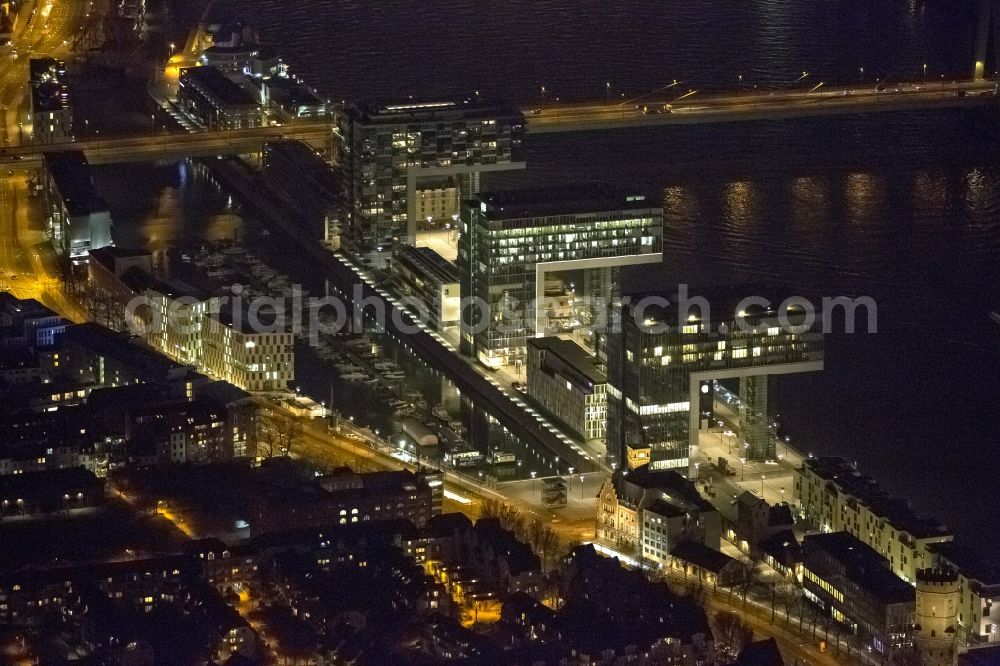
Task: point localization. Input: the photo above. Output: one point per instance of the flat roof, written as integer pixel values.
(120, 347)
(896, 512)
(34, 484)
(428, 262)
(702, 556)
(169, 287)
(580, 199)
(105, 255)
(971, 563)
(217, 84)
(862, 565)
(287, 91)
(309, 164)
(572, 355)
(71, 173)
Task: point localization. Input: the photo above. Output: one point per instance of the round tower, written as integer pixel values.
(938, 597)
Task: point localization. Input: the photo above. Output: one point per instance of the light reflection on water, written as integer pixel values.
(903, 207)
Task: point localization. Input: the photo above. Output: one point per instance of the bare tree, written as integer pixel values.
(731, 633)
(509, 518)
(750, 574)
(275, 436)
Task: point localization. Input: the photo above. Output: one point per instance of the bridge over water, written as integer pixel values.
(690, 107)
(693, 107)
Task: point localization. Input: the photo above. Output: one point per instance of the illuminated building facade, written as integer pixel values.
(389, 148)
(853, 584)
(251, 360)
(565, 380)
(51, 109)
(421, 273)
(832, 496)
(216, 100)
(510, 240)
(77, 217)
(661, 364)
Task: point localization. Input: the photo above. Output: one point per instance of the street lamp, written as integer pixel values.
(762, 486)
(608, 94)
(925, 72)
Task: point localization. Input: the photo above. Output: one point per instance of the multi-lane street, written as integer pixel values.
(691, 106)
(167, 146)
(45, 28)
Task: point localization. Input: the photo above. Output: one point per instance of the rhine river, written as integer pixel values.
(902, 207)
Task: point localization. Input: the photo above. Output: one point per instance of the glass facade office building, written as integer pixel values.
(510, 240)
(660, 360)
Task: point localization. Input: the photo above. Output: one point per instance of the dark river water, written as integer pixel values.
(902, 207)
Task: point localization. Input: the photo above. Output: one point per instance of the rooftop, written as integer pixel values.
(633, 486)
(970, 563)
(71, 173)
(720, 304)
(308, 164)
(861, 564)
(896, 512)
(119, 346)
(702, 556)
(213, 82)
(572, 357)
(107, 255)
(428, 262)
(33, 484)
(582, 199)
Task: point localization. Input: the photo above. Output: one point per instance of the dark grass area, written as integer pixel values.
(98, 534)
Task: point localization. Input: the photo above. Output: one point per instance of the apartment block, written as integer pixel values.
(389, 148)
(253, 358)
(832, 496)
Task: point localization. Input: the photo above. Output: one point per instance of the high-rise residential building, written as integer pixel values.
(51, 110)
(511, 241)
(662, 357)
(389, 149)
